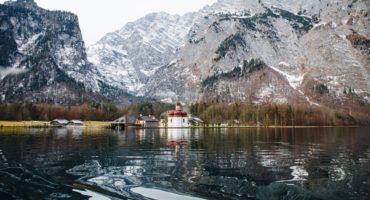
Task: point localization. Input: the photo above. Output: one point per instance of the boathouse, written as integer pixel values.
(75, 123)
(59, 122)
(195, 121)
(124, 121)
(147, 122)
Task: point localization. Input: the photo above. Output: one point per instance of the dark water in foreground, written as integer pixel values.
(312, 163)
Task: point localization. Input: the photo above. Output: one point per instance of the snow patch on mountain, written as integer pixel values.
(10, 70)
(28, 45)
(294, 80)
(128, 57)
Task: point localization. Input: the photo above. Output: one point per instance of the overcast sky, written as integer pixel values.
(98, 17)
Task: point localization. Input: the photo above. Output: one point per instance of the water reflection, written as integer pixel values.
(68, 132)
(206, 163)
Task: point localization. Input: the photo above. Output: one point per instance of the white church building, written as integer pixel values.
(177, 118)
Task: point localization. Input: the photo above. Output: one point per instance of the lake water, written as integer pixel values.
(248, 163)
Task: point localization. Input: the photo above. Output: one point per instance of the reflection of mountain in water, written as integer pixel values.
(228, 165)
(210, 163)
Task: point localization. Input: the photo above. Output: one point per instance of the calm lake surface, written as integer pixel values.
(248, 163)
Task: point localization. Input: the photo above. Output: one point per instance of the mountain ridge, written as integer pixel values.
(312, 52)
(279, 38)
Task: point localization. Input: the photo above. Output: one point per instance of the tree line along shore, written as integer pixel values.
(221, 114)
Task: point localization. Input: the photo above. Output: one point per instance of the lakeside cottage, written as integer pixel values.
(59, 122)
(121, 120)
(195, 121)
(124, 121)
(131, 120)
(64, 122)
(75, 123)
(119, 123)
(147, 122)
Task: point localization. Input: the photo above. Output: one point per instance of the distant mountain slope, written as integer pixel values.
(314, 52)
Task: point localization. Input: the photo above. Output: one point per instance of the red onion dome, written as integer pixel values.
(180, 113)
(184, 113)
(171, 113)
(178, 103)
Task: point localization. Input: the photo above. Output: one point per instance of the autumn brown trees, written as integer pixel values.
(267, 115)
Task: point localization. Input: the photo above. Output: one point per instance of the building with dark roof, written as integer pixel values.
(75, 123)
(147, 122)
(59, 122)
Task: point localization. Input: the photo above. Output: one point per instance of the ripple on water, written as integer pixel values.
(227, 164)
(159, 194)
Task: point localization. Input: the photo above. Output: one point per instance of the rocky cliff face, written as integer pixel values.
(128, 57)
(42, 56)
(265, 51)
(312, 52)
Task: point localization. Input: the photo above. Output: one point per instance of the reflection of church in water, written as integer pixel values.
(177, 139)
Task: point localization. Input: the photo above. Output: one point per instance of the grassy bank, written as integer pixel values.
(31, 124)
(97, 124)
(24, 123)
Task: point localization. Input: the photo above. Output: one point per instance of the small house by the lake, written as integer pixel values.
(75, 123)
(147, 121)
(124, 121)
(131, 120)
(120, 122)
(195, 121)
(59, 122)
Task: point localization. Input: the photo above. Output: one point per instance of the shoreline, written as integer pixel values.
(46, 124)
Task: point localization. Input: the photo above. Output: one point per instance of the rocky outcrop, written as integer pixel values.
(43, 56)
(127, 57)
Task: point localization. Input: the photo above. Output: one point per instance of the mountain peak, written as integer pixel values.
(29, 3)
(20, 1)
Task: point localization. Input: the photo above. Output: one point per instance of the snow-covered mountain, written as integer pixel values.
(42, 56)
(128, 57)
(313, 52)
(255, 51)
(265, 51)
